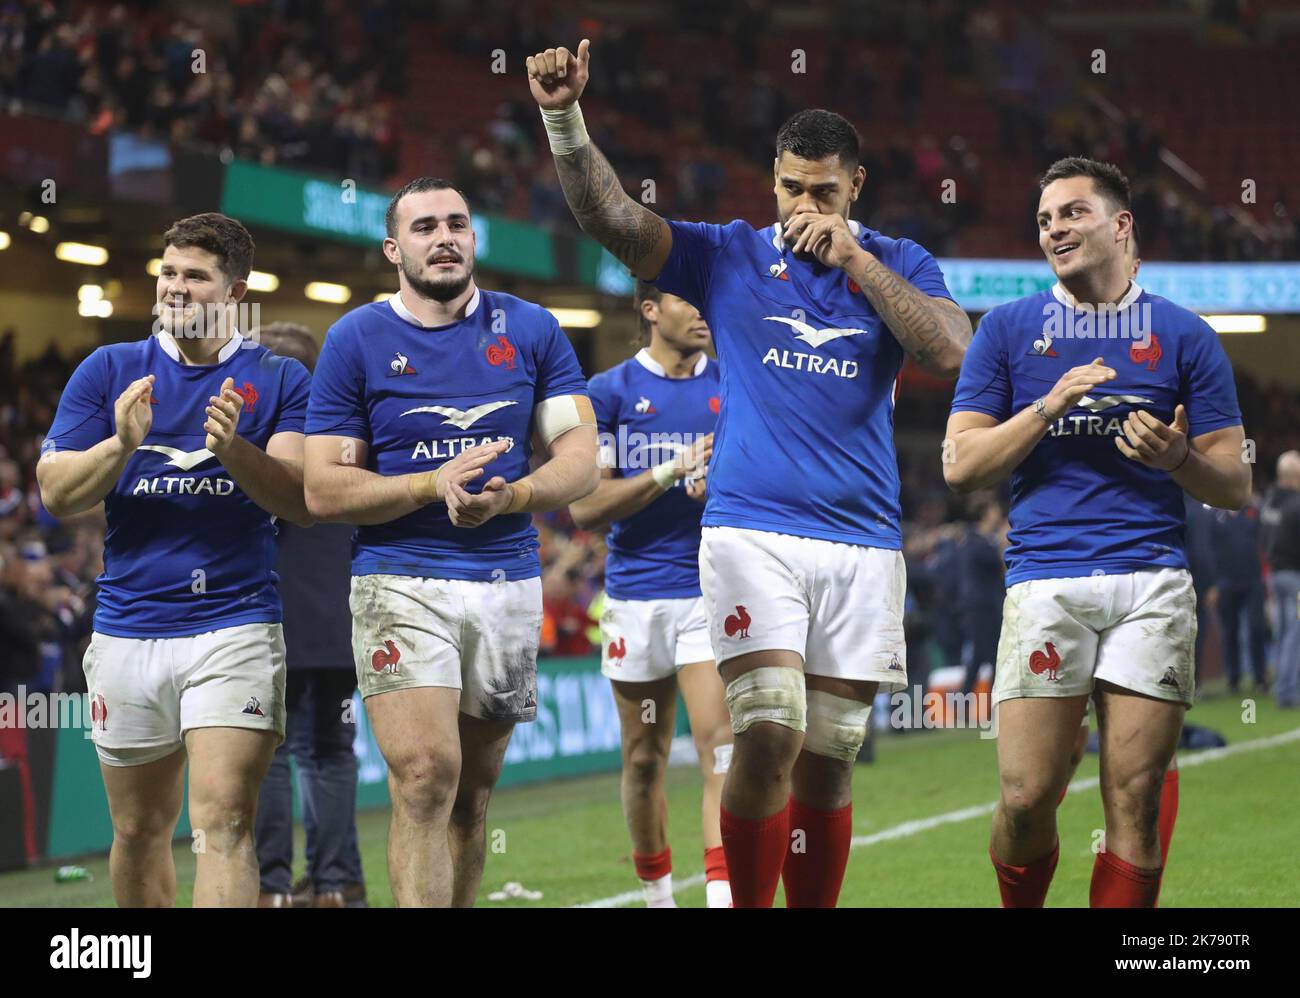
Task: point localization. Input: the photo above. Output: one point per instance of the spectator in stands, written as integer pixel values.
(1238, 593)
(314, 566)
(1283, 527)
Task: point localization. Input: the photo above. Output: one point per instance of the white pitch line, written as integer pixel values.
(909, 828)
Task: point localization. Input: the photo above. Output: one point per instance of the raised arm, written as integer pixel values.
(75, 481)
(618, 498)
(638, 237)
(934, 331)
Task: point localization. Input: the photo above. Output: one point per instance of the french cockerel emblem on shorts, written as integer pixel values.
(617, 650)
(98, 713)
(1048, 661)
(385, 659)
(737, 624)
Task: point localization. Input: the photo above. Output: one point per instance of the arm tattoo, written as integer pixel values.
(603, 208)
(923, 326)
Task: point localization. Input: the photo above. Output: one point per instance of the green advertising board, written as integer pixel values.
(341, 210)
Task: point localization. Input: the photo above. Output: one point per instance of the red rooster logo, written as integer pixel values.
(383, 660)
(1049, 663)
(502, 353)
(617, 649)
(249, 394)
(737, 624)
(1149, 354)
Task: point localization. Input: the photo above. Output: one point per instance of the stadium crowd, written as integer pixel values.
(291, 85)
(286, 85)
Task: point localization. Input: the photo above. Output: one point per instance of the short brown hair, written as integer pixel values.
(1107, 178)
(419, 185)
(220, 235)
(289, 339)
(645, 291)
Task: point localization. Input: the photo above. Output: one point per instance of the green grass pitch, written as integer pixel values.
(1233, 846)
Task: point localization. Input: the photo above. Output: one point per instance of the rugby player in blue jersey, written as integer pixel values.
(1103, 403)
(800, 560)
(425, 411)
(193, 440)
(656, 413)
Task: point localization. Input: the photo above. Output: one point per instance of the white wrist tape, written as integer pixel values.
(837, 726)
(565, 129)
(770, 693)
(665, 475)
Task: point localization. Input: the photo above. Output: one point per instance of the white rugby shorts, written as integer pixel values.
(840, 606)
(146, 693)
(647, 639)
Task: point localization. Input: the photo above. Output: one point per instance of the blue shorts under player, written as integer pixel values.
(654, 621)
(1097, 579)
(434, 604)
(801, 534)
(187, 630)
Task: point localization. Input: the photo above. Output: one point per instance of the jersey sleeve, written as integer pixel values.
(558, 372)
(689, 268)
(1206, 385)
(85, 413)
(337, 402)
(295, 390)
(984, 384)
(915, 265)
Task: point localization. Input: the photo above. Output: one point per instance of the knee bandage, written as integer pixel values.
(772, 693)
(837, 726)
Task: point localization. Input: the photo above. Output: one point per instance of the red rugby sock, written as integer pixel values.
(813, 876)
(1117, 884)
(653, 866)
(715, 863)
(1026, 886)
(755, 850)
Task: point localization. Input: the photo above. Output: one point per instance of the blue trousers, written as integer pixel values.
(1238, 606)
(320, 741)
(1286, 591)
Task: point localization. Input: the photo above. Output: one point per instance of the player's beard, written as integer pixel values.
(443, 289)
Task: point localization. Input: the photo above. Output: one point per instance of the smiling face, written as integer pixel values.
(1080, 231)
(190, 284)
(825, 186)
(678, 323)
(434, 244)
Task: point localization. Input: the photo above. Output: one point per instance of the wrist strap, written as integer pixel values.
(565, 129)
(521, 494)
(1186, 454)
(1040, 410)
(665, 474)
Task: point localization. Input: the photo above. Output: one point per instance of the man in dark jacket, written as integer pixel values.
(1282, 525)
(314, 565)
(1239, 591)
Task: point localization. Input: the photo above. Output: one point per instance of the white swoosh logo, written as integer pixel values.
(1108, 401)
(814, 337)
(186, 460)
(668, 445)
(461, 418)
